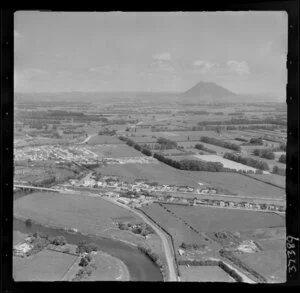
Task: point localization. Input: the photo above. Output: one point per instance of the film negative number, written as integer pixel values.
(291, 254)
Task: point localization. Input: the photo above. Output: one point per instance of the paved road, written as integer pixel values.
(168, 253)
(87, 139)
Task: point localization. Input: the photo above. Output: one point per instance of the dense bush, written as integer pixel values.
(203, 148)
(85, 260)
(256, 141)
(247, 161)
(192, 165)
(166, 143)
(146, 152)
(220, 143)
(230, 256)
(240, 139)
(278, 171)
(28, 222)
(282, 159)
(83, 246)
(58, 240)
(264, 153)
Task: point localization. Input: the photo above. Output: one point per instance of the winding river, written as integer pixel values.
(140, 267)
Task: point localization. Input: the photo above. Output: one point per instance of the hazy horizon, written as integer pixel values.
(244, 52)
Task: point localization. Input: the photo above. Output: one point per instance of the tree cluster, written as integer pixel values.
(83, 246)
(221, 143)
(247, 161)
(256, 141)
(192, 165)
(203, 148)
(278, 171)
(282, 159)
(264, 153)
(167, 143)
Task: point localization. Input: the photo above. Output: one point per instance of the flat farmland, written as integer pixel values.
(192, 135)
(109, 269)
(204, 274)
(143, 139)
(273, 244)
(175, 227)
(226, 163)
(218, 149)
(240, 184)
(87, 214)
(270, 264)
(46, 265)
(270, 178)
(115, 151)
(104, 139)
(208, 219)
(18, 237)
(271, 163)
(159, 173)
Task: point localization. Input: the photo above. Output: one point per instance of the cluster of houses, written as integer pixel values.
(50, 152)
(23, 248)
(130, 160)
(224, 204)
(139, 186)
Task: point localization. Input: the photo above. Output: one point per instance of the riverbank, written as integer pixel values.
(139, 266)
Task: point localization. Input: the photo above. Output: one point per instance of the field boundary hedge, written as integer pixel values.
(208, 262)
(235, 260)
(247, 175)
(171, 237)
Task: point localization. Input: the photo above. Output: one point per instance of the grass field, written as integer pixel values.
(240, 184)
(206, 219)
(191, 135)
(159, 173)
(44, 266)
(115, 151)
(18, 237)
(226, 163)
(270, 264)
(104, 139)
(271, 178)
(87, 214)
(109, 269)
(204, 274)
(273, 244)
(175, 227)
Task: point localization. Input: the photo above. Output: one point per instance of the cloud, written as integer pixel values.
(166, 56)
(204, 66)
(241, 68)
(106, 70)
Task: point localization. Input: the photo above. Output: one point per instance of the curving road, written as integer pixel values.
(168, 252)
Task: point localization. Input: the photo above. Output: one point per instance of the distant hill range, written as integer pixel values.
(202, 92)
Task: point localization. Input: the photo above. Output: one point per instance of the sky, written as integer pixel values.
(150, 51)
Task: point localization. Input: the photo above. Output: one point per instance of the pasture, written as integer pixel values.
(238, 183)
(208, 219)
(270, 264)
(175, 227)
(104, 139)
(204, 274)
(115, 151)
(160, 173)
(226, 163)
(89, 215)
(46, 265)
(270, 178)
